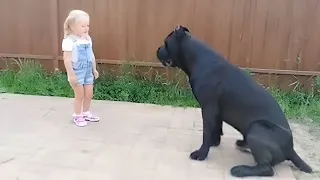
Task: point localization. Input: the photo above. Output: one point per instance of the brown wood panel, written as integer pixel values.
(105, 24)
(241, 32)
(149, 21)
(25, 27)
(260, 34)
(310, 57)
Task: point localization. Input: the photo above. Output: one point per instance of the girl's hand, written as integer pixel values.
(72, 79)
(96, 74)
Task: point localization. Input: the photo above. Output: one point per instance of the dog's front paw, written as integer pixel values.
(198, 155)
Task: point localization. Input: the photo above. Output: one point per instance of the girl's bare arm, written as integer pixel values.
(94, 63)
(67, 59)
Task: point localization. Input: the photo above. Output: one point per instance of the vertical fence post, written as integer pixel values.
(122, 35)
(54, 14)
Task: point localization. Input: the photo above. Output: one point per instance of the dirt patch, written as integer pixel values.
(307, 145)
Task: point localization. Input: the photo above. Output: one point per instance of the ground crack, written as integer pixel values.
(8, 160)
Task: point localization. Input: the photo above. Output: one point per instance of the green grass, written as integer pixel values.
(31, 79)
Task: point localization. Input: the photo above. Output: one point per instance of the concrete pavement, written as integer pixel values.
(131, 142)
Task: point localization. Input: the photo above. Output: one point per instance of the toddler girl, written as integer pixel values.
(80, 64)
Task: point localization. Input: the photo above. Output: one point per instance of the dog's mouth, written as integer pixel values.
(164, 57)
(168, 63)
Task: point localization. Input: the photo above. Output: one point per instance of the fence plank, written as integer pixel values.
(258, 34)
(54, 4)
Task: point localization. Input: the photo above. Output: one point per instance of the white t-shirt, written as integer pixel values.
(70, 44)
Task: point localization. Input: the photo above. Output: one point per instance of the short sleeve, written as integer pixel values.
(67, 44)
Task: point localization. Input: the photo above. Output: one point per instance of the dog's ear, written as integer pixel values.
(184, 28)
(181, 28)
(181, 31)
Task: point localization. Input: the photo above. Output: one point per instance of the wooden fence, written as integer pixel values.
(268, 36)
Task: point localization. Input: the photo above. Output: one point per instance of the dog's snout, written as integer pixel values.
(161, 54)
(158, 50)
(158, 53)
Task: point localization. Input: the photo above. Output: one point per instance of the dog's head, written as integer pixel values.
(169, 54)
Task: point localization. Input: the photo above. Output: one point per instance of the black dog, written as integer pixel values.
(226, 93)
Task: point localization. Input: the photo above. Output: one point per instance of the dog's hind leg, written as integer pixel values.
(265, 151)
(243, 145)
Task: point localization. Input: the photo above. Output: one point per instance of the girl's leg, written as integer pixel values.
(78, 102)
(88, 95)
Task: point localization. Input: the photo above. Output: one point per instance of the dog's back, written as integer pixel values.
(242, 101)
(248, 101)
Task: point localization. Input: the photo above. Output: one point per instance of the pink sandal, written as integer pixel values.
(90, 117)
(79, 121)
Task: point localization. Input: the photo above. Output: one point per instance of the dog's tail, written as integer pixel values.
(299, 163)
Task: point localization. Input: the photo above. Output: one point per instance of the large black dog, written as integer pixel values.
(226, 93)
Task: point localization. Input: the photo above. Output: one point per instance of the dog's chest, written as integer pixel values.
(205, 92)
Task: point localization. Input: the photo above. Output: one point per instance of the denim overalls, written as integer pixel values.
(82, 55)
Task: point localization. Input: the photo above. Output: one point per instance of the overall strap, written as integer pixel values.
(73, 38)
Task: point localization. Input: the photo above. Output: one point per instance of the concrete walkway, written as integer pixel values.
(132, 142)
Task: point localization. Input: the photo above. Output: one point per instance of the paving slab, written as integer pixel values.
(131, 142)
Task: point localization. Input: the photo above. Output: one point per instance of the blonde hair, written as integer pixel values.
(73, 16)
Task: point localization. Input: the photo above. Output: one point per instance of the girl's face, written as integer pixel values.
(81, 26)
